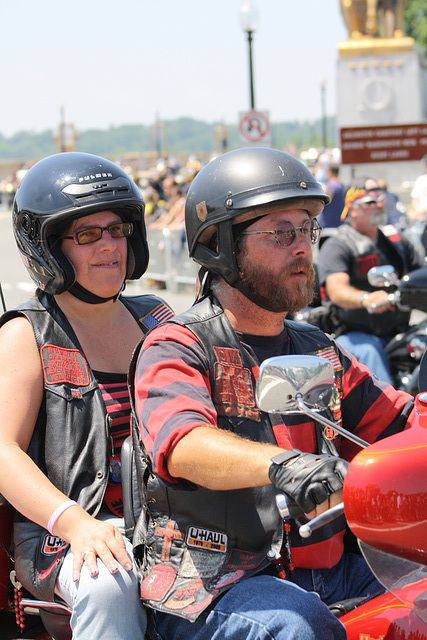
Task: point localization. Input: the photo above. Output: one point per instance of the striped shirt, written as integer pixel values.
(115, 394)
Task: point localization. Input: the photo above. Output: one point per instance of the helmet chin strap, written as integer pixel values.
(91, 298)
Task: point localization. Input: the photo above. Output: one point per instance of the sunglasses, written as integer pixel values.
(285, 232)
(368, 202)
(116, 230)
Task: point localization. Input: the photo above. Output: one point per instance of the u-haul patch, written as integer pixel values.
(206, 539)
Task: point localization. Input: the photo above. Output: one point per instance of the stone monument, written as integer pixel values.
(381, 75)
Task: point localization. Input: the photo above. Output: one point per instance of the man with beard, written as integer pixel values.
(210, 462)
(367, 319)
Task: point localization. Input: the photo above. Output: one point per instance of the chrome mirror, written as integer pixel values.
(384, 276)
(282, 378)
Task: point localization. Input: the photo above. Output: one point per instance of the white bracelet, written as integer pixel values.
(58, 512)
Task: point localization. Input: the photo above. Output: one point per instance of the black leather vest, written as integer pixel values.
(191, 545)
(72, 418)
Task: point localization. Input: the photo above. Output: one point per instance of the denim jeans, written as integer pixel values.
(369, 350)
(107, 606)
(267, 608)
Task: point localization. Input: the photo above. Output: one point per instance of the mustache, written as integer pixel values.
(300, 264)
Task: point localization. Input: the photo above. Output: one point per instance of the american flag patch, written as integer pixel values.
(330, 354)
(158, 315)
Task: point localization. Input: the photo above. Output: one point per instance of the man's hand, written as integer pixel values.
(310, 479)
(378, 302)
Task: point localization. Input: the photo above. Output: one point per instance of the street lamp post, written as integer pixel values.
(249, 23)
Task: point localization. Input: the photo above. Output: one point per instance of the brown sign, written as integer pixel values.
(383, 144)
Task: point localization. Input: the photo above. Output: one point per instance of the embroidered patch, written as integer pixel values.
(233, 391)
(195, 608)
(45, 573)
(225, 579)
(158, 582)
(52, 544)
(243, 560)
(184, 597)
(335, 402)
(64, 365)
(206, 539)
(155, 317)
(169, 533)
(364, 263)
(177, 605)
(330, 354)
(198, 563)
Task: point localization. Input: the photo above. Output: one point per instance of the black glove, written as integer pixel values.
(308, 478)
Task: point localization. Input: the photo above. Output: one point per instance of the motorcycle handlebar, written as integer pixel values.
(288, 508)
(307, 529)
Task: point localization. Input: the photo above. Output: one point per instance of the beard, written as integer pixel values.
(273, 293)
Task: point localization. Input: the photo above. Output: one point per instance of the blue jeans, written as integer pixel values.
(369, 350)
(107, 606)
(267, 608)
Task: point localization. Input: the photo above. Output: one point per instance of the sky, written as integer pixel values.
(111, 62)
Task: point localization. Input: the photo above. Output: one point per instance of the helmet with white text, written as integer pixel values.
(60, 189)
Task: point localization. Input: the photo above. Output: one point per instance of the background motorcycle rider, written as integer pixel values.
(366, 319)
(218, 462)
(79, 226)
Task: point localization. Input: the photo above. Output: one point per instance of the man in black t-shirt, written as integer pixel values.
(367, 318)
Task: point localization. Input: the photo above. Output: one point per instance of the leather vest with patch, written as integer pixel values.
(364, 250)
(192, 545)
(72, 419)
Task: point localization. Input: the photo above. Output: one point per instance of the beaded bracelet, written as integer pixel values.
(58, 512)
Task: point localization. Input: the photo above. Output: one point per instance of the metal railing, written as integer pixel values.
(169, 260)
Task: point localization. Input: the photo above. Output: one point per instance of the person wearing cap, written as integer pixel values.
(394, 214)
(211, 463)
(366, 320)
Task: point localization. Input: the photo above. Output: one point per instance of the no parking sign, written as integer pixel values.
(255, 128)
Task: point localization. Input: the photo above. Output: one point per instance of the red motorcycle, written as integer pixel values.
(385, 500)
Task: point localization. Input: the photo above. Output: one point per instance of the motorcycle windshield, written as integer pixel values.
(405, 579)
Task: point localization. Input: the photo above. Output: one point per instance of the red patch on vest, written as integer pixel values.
(233, 391)
(243, 560)
(158, 582)
(169, 533)
(195, 608)
(366, 262)
(64, 365)
(184, 597)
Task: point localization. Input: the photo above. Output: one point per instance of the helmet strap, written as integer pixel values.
(91, 298)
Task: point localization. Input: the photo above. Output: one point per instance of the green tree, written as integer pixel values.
(415, 22)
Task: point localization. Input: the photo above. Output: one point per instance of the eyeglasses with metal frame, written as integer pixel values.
(285, 232)
(93, 234)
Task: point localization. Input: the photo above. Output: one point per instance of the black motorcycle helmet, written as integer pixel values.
(233, 186)
(56, 191)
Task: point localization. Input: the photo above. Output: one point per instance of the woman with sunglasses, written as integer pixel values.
(78, 222)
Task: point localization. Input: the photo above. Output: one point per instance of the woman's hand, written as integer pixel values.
(91, 539)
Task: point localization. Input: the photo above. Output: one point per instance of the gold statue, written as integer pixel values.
(373, 18)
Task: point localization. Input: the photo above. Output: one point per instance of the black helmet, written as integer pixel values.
(234, 184)
(56, 191)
